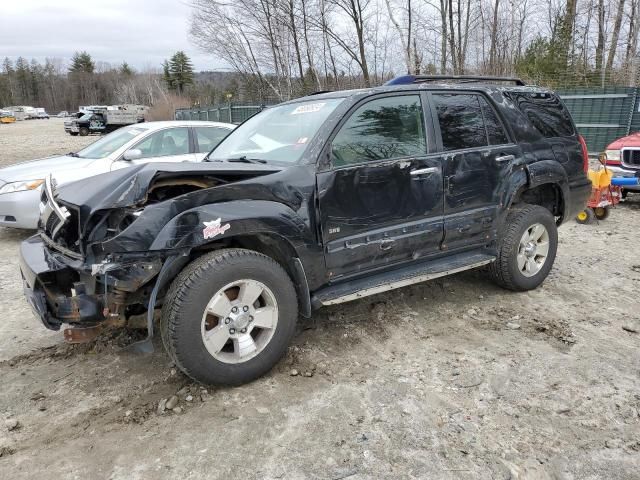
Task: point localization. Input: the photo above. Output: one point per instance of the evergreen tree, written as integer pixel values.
(178, 72)
(166, 75)
(126, 70)
(81, 62)
(23, 79)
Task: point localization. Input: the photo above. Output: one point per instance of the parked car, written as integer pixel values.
(622, 157)
(317, 201)
(174, 141)
(62, 114)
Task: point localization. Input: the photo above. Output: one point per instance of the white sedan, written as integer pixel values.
(174, 141)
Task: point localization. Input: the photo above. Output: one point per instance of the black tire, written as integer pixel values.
(73, 134)
(601, 213)
(504, 270)
(586, 216)
(84, 131)
(188, 296)
(624, 193)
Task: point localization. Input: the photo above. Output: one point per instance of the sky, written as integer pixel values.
(141, 32)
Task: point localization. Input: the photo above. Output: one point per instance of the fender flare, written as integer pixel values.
(242, 219)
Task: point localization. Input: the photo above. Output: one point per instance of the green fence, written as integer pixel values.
(228, 113)
(601, 114)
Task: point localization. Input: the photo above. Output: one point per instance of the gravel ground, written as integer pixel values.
(453, 379)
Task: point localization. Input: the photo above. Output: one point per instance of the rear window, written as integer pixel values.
(546, 113)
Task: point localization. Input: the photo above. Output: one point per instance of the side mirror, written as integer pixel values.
(133, 154)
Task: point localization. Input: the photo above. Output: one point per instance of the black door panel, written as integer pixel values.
(382, 204)
(380, 214)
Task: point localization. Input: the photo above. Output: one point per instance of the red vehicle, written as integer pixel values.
(622, 157)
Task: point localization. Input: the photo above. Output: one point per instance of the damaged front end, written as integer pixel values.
(92, 263)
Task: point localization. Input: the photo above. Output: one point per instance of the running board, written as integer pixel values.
(390, 280)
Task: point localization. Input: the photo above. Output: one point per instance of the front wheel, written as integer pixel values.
(229, 317)
(526, 248)
(84, 131)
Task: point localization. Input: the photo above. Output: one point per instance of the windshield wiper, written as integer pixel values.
(73, 154)
(244, 159)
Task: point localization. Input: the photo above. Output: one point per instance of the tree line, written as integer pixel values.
(84, 81)
(286, 47)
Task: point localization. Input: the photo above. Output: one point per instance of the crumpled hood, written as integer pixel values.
(128, 186)
(42, 167)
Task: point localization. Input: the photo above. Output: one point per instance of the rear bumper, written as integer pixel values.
(20, 209)
(579, 193)
(627, 173)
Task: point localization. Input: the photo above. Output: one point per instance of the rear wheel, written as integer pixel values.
(601, 213)
(586, 216)
(84, 131)
(527, 248)
(229, 317)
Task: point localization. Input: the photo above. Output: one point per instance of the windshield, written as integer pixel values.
(86, 117)
(110, 143)
(280, 133)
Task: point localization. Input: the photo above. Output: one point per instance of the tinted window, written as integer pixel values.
(460, 118)
(495, 131)
(382, 129)
(209, 137)
(172, 141)
(546, 113)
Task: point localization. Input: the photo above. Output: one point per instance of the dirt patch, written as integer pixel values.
(450, 379)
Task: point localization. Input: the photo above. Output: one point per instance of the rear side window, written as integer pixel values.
(546, 113)
(495, 131)
(467, 121)
(382, 129)
(209, 137)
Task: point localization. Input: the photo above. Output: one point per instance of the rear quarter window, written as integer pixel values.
(546, 113)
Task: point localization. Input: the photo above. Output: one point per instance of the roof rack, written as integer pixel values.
(409, 79)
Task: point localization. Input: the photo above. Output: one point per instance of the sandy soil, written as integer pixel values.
(453, 379)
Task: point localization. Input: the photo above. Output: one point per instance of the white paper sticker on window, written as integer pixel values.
(310, 108)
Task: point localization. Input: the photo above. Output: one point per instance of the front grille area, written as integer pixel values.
(60, 232)
(631, 158)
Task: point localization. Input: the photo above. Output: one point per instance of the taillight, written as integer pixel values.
(585, 154)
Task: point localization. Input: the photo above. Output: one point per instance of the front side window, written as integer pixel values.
(382, 129)
(460, 119)
(209, 137)
(171, 141)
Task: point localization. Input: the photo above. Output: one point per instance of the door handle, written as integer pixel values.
(424, 171)
(505, 158)
(387, 244)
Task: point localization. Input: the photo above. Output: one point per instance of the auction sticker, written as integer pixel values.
(310, 108)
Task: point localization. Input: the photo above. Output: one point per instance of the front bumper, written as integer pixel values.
(20, 209)
(71, 128)
(54, 287)
(627, 173)
(60, 289)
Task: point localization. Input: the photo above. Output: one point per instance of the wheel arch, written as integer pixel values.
(275, 246)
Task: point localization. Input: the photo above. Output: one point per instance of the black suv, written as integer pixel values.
(313, 202)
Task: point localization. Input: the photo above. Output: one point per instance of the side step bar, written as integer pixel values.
(390, 280)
